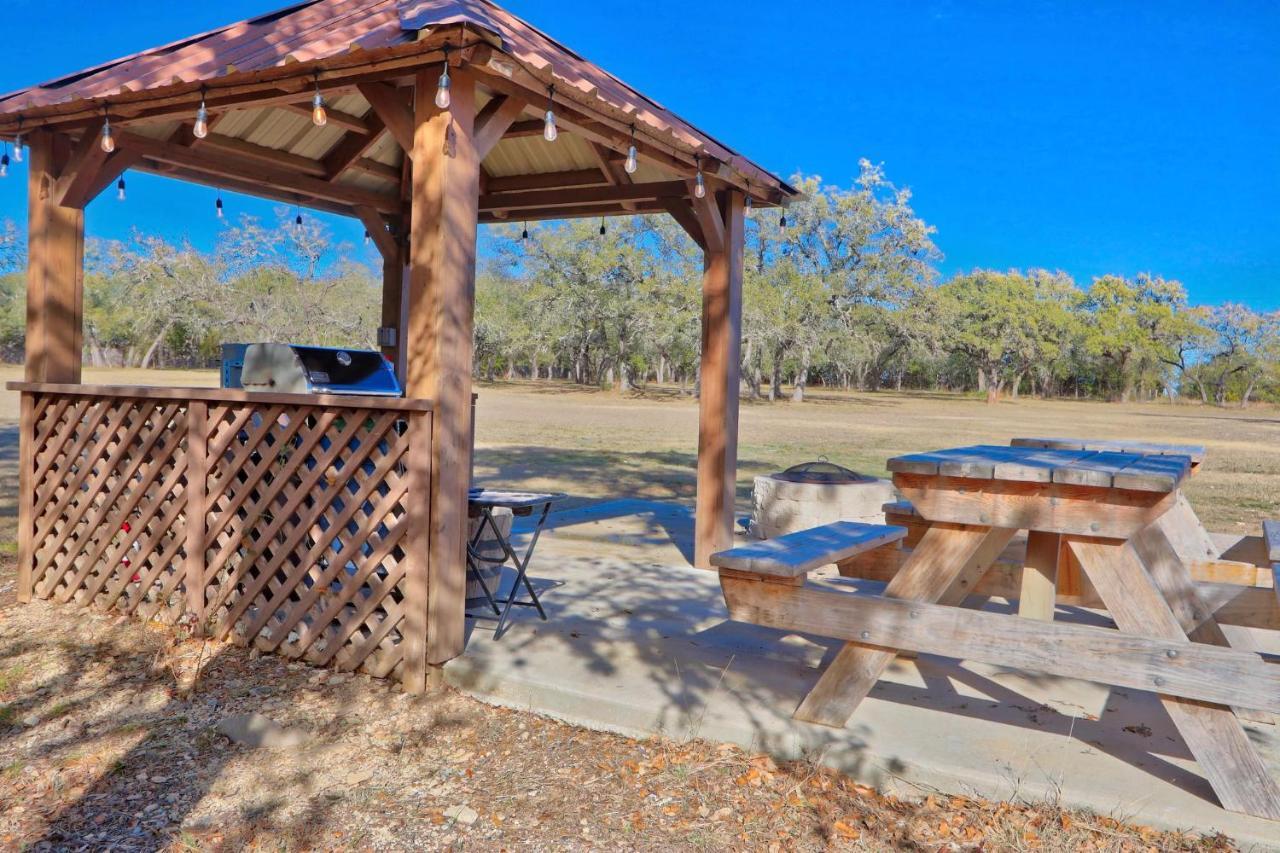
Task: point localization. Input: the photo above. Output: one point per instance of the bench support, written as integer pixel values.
(944, 567)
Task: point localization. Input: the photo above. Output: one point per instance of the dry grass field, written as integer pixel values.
(598, 444)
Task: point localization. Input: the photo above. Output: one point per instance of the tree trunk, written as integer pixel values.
(802, 377)
(775, 380)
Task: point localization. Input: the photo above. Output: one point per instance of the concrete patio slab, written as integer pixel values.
(642, 648)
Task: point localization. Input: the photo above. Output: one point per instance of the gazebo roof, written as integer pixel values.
(257, 77)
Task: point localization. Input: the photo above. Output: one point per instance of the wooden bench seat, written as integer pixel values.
(796, 554)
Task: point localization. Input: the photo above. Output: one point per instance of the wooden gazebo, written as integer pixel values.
(166, 502)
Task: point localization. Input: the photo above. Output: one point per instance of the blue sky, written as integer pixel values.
(1092, 137)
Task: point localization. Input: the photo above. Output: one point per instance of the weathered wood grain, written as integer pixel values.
(799, 553)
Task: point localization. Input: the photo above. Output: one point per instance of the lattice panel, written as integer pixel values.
(307, 513)
(107, 523)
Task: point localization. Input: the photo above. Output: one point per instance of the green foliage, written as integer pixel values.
(845, 293)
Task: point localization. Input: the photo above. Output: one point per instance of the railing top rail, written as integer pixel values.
(225, 395)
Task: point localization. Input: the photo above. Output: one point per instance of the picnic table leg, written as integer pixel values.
(1172, 577)
(945, 567)
(1215, 737)
(1039, 593)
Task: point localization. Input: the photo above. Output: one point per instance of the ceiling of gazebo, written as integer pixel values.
(258, 76)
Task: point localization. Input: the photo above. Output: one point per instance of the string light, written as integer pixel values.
(318, 115)
(298, 221)
(524, 235)
(443, 97)
(747, 206)
(782, 223)
(4, 163)
(549, 131)
(699, 184)
(17, 143)
(631, 165)
(201, 130)
(108, 141)
(217, 204)
(602, 228)
(120, 189)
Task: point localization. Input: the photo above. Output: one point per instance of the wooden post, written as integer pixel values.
(197, 511)
(718, 401)
(416, 630)
(55, 268)
(395, 291)
(26, 496)
(1039, 594)
(442, 258)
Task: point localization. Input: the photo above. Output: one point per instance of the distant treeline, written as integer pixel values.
(845, 294)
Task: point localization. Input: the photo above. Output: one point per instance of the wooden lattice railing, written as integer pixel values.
(293, 522)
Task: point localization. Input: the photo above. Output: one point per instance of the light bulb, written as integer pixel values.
(120, 189)
(108, 141)
(700, 186)
(318, 115)
(602, 228)
(4, 166)
(631, 165)
(782, 222)
(366, 238)
(748, 205)
(201, 130)
(443, 98)
(217, 206)
(298, 222)
(549, 131)
(17, 149)
(524, 235)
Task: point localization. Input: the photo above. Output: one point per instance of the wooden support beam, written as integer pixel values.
(576, 196)
(1212, 733)
(55, 267)
(711, 223)
(588, 211)
(446, 183)
(261, 154)
(718, 400)
(227, 165)
(612, 170)
(493, 121)
(376, 227)
(682, 212)
(545, 181)
(352, 147)
(240, 185)
(81, 170)
(945, 567)
(1123, 659)
(525, 128)
(391, 105)
(1038, 596)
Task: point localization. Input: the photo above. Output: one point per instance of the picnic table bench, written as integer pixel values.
(1099, 506)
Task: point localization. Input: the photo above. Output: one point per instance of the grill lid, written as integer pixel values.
(822, 471)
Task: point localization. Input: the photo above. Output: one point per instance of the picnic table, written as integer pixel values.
(1100, 506)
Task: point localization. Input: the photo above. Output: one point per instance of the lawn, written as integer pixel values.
(598, 444)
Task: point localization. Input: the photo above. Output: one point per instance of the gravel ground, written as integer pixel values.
(109, 740)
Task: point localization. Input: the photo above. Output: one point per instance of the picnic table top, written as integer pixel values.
(1098, 468)
(1195, 452)
(511, 500)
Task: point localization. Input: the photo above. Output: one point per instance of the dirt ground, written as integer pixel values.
(108, 740)
(108, 728)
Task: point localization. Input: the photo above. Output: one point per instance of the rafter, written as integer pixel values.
(245, 169)
(583, 195)
(612, 170)
(261, 153)
(353, 146)
(346, 121)
(81, 168)
(546, 180)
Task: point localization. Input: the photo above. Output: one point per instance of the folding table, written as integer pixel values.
(481, 504)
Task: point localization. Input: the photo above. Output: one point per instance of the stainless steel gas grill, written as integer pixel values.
(290, 368)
